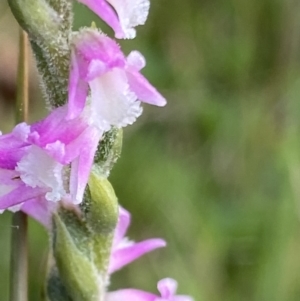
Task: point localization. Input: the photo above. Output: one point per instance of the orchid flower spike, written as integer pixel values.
(47, 161)
(167, 288)
(125, 251)
(116, 86)
(122, 16)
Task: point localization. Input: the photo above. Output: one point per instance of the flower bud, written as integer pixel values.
(82, 241)
(100, 208)
(72, 250)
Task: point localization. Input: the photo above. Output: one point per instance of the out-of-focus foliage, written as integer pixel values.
(217, 171)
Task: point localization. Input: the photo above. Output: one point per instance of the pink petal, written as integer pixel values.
(143, 89)
(85, 147)
(78, 89)
(95, 53)
(182, 298)
(138, 295)
(21, 131)
(124, 16)
(129, 295)
(55, 127)
(56, 150)
(10, 141)
(106, 13)
(167, 287)
(9, 158)
(8, 177)
(122, 226)
(40, 210)
(123, 256)
(11, 150)
(19, 195)
(136, 60)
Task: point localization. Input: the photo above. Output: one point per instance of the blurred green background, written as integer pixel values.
(217, 171)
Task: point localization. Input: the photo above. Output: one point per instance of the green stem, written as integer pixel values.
(19, 245)
(19, 265)
(48, 24)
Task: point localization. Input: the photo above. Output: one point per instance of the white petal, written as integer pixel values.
(38, 169)
(112, 102)
(131, 13)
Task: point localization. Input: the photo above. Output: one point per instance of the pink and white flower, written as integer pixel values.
(47, 161)
(167, 288)
(107, 82)
(125, 251)
(121, 15)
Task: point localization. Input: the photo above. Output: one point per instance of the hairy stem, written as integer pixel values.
(48, 24)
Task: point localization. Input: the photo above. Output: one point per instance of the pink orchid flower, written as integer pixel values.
(122, 16)
(47, 161)
(167, 288)
(110, 84)
(125, 251)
